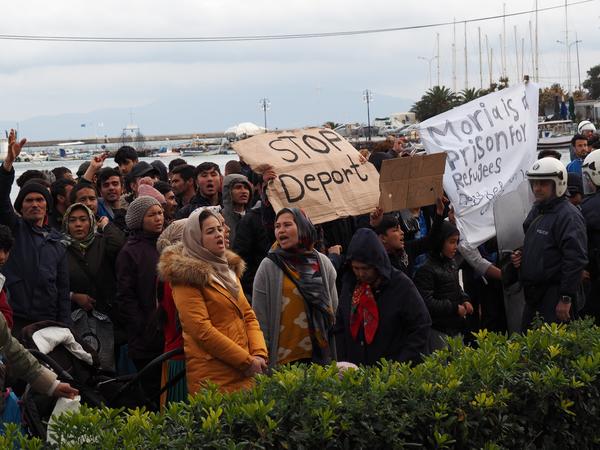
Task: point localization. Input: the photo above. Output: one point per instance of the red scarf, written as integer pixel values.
(364, 312)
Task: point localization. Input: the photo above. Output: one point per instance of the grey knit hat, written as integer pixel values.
(134, 218)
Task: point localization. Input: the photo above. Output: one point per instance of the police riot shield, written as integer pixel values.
(510, 211)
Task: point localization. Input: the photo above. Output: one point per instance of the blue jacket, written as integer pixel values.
(404, 322)
(37, 275)
(555, 247)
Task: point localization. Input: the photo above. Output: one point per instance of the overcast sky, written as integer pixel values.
(50, 78)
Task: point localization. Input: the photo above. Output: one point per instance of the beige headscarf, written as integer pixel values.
(192, 247)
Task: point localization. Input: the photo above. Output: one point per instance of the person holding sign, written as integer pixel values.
(554, 253)
(294, 294)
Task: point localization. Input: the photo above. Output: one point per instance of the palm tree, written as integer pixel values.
(470, 94)
(436, 100)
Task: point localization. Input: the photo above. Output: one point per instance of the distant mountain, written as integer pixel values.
(207, 111)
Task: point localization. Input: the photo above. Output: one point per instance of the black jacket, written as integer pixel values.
(404, 323)
(437, 281)
(93, 273)
(197, 201)
(590, 208)
(136, 295)
(254, 238)
(37, 276)
(555, 247)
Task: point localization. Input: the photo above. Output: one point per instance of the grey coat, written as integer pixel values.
(267, 297)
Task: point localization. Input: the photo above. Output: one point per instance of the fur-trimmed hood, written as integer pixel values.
(179, 269)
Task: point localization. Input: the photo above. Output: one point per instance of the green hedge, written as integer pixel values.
(538, 390)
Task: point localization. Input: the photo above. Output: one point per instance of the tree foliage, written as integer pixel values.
(435, 101)
(592, 84)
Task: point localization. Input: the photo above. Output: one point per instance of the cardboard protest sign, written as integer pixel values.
(317, 170)
(490, 142)
(411, 182)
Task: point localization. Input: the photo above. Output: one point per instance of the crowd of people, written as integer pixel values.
(152, 258)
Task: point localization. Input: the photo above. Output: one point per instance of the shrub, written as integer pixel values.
(537, 390)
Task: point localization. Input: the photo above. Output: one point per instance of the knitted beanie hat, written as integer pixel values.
(30, 187)
(134, 218)
(145, 190)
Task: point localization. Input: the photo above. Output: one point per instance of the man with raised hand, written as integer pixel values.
(37, 276)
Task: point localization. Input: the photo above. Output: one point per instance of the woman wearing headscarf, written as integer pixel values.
(223, 343)
(92, 253)
(294, 294)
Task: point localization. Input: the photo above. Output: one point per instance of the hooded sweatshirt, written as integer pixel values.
(403, 327)
(232, 218)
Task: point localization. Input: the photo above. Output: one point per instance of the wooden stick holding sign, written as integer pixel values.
(317, 170)
(411, 182)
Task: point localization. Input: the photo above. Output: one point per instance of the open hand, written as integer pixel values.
(65, 390)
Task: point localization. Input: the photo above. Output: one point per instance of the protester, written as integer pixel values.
(85, 192)
(161, 170)
(173, 336)
(61, 173)
(136, 287)
(170, 205)
(208, 193)
(233, 167)
(402, 252)
(92, 254)
(37, 276)
(60, 191)
(112, 204)
(237, 193)
(294, 294)
(132, 180)
(437, 281)
(554, 253)
(254, 237)
(183, 183)
(174, 163)
(126, 158)
(222, 339)
(6, 243)
(381, 314)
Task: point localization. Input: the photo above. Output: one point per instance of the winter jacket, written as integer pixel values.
(267, 296)
(136, 295)
(555, 248)
(221, 334)
(198, 201)
(590, 208)
(37, 276)
(23, 364)
(232, 218)
(437, 281)
(93, 273)
(404, 323)
(253, 241)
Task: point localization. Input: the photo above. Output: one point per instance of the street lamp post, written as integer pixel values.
(265, 105)
(368, 98)
(429, 61)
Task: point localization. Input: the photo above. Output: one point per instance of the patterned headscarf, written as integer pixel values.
(84, 243)
(302, 266)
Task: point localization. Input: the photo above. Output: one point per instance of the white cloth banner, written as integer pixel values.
(491, 142)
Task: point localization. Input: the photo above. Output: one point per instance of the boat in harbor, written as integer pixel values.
(555, 134)
(200, 151)
(68, 155)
